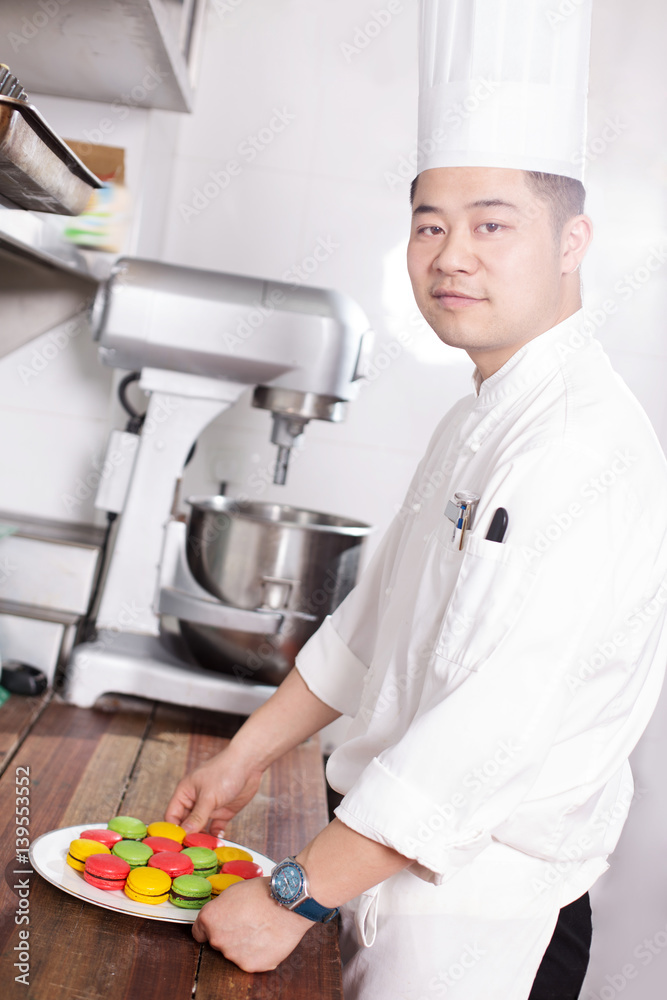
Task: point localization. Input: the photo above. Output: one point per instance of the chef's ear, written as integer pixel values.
(576, 239)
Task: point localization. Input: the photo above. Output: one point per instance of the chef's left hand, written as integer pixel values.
(249, 927)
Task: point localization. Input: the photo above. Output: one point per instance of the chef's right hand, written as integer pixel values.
(212, 794)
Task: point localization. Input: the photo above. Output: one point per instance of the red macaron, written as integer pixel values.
(162, 844)
(245, 869)
(173, 863)
(106, 871)
(203, 840)
(106, 837)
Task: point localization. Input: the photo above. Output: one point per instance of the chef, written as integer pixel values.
(504, 650)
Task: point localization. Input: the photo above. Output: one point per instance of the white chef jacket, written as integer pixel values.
(497, 690)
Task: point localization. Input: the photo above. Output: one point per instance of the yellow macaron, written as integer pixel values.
(169, 830)
(221, 882)
(79, 850)
(148, 885)
(232, 854)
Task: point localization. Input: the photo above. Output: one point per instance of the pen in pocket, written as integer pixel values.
(498, 526)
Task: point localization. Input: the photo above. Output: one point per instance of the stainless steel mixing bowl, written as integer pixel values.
(271, 556)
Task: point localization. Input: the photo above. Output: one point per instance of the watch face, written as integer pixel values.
(287, 882)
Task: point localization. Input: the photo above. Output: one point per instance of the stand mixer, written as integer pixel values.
(199, 339)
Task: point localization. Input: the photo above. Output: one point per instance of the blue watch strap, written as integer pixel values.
(315, 911)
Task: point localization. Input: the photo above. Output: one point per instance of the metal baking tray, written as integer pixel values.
(38, 171)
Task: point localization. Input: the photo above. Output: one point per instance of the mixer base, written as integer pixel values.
(143, 666)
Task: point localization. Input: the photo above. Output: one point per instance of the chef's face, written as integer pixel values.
(488, 270)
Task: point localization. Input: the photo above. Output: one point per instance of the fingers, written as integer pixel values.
(190, 806)
(181, 802)
(174, 812)
(217, 826)
(200, 813)
(198, 932)
(213, 793)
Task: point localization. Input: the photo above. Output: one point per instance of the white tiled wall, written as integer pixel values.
(54, 412)
(329, 174)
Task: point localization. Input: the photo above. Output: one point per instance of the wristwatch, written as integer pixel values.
(289, 887)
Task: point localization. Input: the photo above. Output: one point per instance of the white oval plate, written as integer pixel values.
(48, 854)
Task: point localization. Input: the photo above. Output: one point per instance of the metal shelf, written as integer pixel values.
(29, 235)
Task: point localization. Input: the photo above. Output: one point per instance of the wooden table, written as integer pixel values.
(86, 766)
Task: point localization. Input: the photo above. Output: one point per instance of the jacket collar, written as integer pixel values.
(533, 361)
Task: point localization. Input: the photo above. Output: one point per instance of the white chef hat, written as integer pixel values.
(503, 83)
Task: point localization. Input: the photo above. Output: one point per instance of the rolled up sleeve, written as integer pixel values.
(331, 671)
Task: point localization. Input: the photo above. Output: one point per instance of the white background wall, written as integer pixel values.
(328, 176)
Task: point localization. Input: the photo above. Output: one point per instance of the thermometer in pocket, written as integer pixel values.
(461, 510)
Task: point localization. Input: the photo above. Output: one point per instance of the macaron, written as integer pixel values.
(204, 861)
(106, 837)
(221, 882)
(158, 844)
(148, 885)
(232, 854)
(133, 852)
(173, 863)
(190, 892)
(202, 840)
(80, 850)
(106, 871)
(128, 827)
(170, 830)
(244, 869)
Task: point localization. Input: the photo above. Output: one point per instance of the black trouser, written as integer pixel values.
(563, 968)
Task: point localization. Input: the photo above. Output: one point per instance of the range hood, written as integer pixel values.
(141, 53)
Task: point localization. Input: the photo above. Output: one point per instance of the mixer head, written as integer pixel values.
(303, 348)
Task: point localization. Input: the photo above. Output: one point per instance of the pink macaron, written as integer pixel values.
(106, 871)
(245, 869)
(162, 844)
(173, 863)
(106, 837)
(203, 840)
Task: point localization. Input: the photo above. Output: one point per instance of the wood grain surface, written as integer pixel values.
(16, 717)
(86, 766)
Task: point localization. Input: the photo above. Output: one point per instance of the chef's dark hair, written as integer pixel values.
(565, 195)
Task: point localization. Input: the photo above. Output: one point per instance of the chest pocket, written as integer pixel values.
(491, 589)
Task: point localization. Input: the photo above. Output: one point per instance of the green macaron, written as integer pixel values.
(134, 853)
(128, 827)
(204, 860)
(190, 892)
